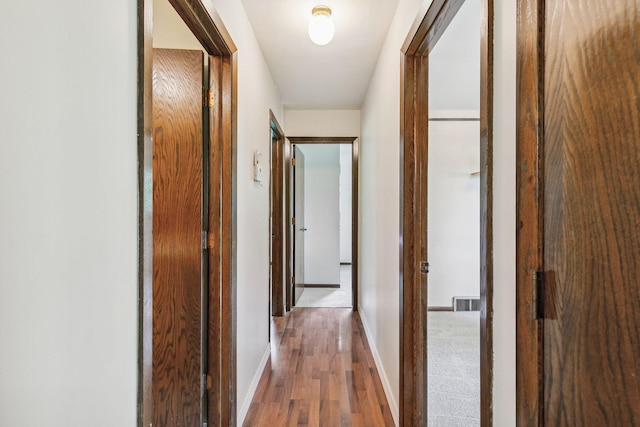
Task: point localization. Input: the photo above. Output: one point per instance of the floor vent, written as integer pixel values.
(466, 304)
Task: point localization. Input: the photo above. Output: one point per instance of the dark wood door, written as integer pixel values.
(585, 155)
(177, 225)
(298, 226)
(276, 219)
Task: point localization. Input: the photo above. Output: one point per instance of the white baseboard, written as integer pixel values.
(393, 406)
(244, 410)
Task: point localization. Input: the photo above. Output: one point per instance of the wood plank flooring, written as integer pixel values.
(321, 373)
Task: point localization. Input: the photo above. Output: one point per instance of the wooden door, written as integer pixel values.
(298, 226)
(579, 213)
(276, 219)
(177, 225)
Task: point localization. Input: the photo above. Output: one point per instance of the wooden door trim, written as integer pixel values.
(486, 213)
(529, 113)
(205, 23)
(425, 32)
(276, 233)
(288, 254)
(355, 207)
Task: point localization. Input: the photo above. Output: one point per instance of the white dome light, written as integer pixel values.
(321, 28)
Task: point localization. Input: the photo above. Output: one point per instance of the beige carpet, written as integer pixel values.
(454, 369)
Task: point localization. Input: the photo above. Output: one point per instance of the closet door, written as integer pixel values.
(177, 241)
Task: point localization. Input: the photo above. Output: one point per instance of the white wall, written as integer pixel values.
(380, 204)
(454, 209)
(330, 123)
(346, 196)
(454, 63)
(454, 153)
(504, 218)
(321, 213)
(68, 270)
(169, 30)
(322, 122)
(68, 185)
(257, 94)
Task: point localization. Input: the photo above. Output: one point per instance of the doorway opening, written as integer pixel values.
(419, 143)
(321, 222)
(321, 289)
(453, 223)
(207, 175)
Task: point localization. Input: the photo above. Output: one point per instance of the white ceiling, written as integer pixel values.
(308, 76)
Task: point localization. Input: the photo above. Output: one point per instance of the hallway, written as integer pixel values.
(321, 373)
(329, 297)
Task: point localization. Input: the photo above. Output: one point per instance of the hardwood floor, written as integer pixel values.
(321, 373)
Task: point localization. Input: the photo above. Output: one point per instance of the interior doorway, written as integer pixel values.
(430, 26)
(453, 223)
(321, 224)
(294, 227)
(201, 388)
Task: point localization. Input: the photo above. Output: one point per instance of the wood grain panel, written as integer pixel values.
(205, 23)
(222, 216)
(430, 26)
(486, 212)
(321, 373)
(529, 246)
(413, 283)
(321, 139)
(214, 344)
(229, 215)
(177, 224)
(591, 212)
(288, 233)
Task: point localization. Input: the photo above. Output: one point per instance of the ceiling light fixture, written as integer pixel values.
(321, 29)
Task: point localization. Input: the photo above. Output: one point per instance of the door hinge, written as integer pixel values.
(424, 267)
(206, 384)
(208, 381)
(293, 280)
(537, 279)
(209, 98)
(293, 221)
(293, 162)
(208, 240)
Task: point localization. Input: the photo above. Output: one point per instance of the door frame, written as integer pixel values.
(355, 208)
(276, 227)
(205, 23)
(430, 24)
(529, 256)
